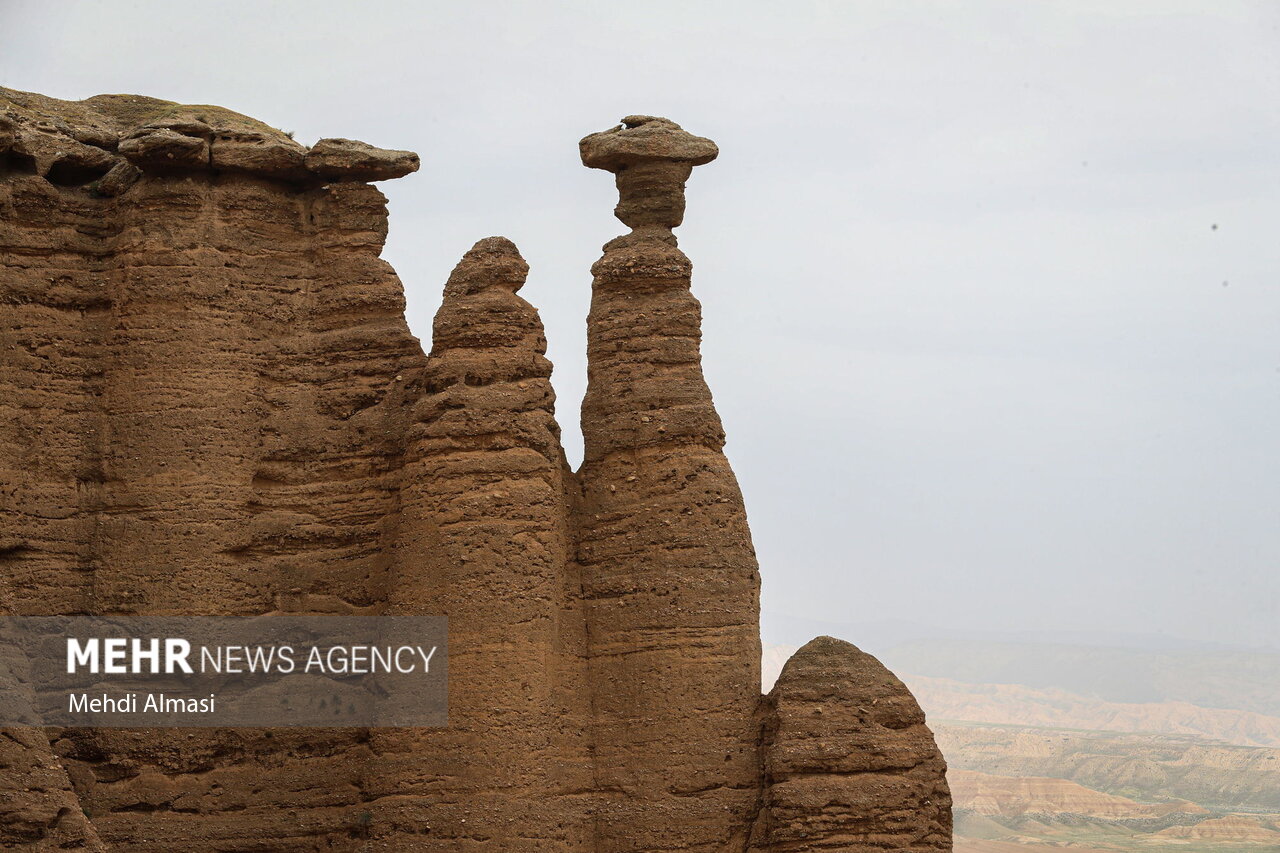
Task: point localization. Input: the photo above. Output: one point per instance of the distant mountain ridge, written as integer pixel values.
(1235, 680)
(1150, 768)
(1015, 704)
(933, 672)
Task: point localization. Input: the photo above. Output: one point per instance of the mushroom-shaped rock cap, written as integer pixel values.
(644, 139)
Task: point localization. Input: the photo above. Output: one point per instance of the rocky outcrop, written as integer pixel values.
(849, 763)
(352, 160)
(212, 405)
(483, 536)
(191, 373)
(82, 143)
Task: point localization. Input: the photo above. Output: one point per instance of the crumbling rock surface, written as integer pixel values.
(352, 160)
(849, 763)
(73, 143)
(210, 404)
(39, 809)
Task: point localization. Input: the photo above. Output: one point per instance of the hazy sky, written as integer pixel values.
(992, 290)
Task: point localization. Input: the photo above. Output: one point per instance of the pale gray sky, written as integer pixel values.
(983, 359)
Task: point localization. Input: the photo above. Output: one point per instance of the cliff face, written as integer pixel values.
(212, 405)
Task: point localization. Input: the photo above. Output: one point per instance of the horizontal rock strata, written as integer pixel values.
(81, 143)
(210, 404)
(849, 763)
(667, 564)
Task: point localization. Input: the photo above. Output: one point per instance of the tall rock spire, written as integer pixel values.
(484, 540)
(668, 570)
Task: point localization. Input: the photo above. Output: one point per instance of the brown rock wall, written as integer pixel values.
(194, 368)
(210, 404)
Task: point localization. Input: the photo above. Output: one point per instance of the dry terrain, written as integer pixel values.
(1101, 749)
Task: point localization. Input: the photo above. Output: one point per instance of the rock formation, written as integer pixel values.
(849, 762)
(212, 405)
(668, 570)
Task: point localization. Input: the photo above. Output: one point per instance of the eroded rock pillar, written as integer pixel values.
(669, 573)
(484, 540)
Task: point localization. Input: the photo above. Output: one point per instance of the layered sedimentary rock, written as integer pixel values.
(211, 404)
(668, 570)
(1015, 796)
(191, 369)
(39, 809)
(849, 762)
(483, 536)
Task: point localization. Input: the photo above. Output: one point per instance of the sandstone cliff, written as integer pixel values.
(212, 405)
